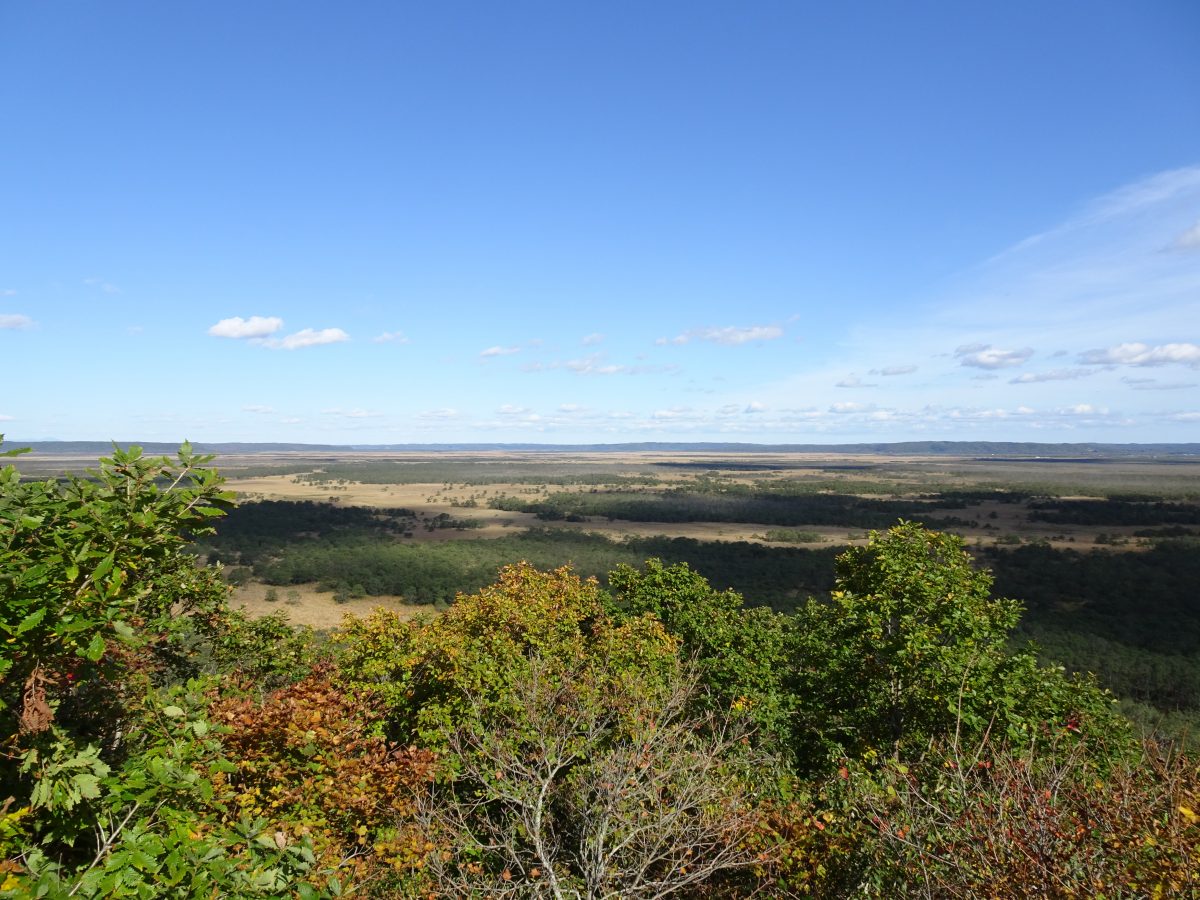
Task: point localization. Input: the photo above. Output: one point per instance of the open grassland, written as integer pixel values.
(306, 604)
(464, 486)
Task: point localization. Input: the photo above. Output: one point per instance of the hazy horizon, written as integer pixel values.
(537, 224)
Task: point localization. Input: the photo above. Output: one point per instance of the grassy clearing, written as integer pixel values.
(306, 604)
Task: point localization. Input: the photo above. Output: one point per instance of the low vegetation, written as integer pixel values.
(550, 735)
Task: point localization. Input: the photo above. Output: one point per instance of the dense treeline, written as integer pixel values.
(546, 736)
(765, 508)
(1115, 512)
(475, 472)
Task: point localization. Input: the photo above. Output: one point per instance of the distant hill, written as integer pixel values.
(982, 449)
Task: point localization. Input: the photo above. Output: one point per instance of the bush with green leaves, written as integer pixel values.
(912, 647)
(740, 654)
(483, 644)
(96, 587)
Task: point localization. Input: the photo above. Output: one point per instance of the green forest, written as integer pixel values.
(662, 717)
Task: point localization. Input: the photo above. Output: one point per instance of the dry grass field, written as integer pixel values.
(305, 605)
(845, 473)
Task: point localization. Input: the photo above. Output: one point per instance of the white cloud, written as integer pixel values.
(593, 365)
(1083, 409)
(853, 381)
(509, 409)
(14, 322)
(1186, 417)
(1189, 240)
(291, 420)
(570, 407)
(1055, 375)
(444, 413)
(675, 412)
(729, 335)
(390, 337)
(848, 407)
(1137, 354)
(6, 418)
(257, 409)
(253, 327)
(498, 351)
(351, 413)
(592, 339)
(308, 337)
(755, 407)
(890, 371)
(984, 356)
(964, 349)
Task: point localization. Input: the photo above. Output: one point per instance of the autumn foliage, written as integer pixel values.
(545, 737)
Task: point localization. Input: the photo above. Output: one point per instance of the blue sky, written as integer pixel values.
(386, 222)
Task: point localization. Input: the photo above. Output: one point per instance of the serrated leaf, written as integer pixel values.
(173, 712)
(87, 785)
(95, 648)
(32, 620)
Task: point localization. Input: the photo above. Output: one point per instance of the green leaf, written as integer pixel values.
(95, 648)
(173, 712)
(32, 620)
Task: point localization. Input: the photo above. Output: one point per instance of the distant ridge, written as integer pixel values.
(989, 449)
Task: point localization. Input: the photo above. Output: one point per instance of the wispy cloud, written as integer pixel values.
(444, 413)
(730, 335)
(390, 337)
(1189, 240)
(984, 356)
(848, 407)
(308, 337)
(257, 409)
(592, 339)
(1151, 384)
(1083, 409)
(890, 371)
(253, 327)
(1055, 375)
(853, 381)
(492, 352)
(598, 364)
(14, 322)
(351, 413)
(1137, 354)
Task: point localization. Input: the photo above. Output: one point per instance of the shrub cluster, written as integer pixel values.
(545, 737)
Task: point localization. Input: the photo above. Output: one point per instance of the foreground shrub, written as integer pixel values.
(308, 760)
(1002, 823)
(575, 791)
(912, 648)
(432, 675)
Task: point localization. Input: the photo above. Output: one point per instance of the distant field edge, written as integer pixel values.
(1006, 451)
